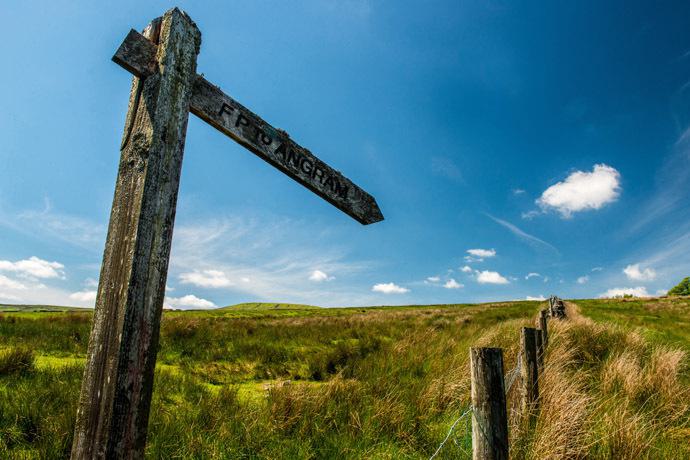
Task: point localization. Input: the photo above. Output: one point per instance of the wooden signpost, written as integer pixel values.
(115, 398)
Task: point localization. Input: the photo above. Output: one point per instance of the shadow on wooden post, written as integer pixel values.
(489, 416)
(530, 369)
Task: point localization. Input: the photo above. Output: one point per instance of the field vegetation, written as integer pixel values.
(295, 381)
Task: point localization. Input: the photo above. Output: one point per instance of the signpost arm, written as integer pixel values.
(273, 145)
(115, 398)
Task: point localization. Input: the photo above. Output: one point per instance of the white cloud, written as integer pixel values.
(206, 279)
(529, 215)
(489, 277)
(597, 269)
(661, 292)
(190, 302)
(452, 284)
(540, 298)
(582, 191)
(532, 275)
(583, 279)
(389, 288)
(466, 269)
(484, 253)
(518, 191)
(84, 296)
(9, 283)
(34, 267)
(433, 279)
(319, 276)
(634, 273)
(621, 292)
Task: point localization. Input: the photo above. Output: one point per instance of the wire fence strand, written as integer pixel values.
(514, 373)
(450, 432)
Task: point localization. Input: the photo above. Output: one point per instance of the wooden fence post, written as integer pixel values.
(490, 416)
(540, 351)
(116, 390)
(530, 369)
(544, 327)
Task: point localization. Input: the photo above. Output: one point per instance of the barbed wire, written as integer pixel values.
(510, 376)
(449, 432)
(514, 373)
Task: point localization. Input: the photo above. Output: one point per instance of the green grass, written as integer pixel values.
(663, 320)
(256, 381)
(38, 309)
(297, 381)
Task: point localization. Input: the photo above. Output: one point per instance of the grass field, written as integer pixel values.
(296, 381)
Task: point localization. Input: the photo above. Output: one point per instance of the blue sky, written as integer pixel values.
(516, 150)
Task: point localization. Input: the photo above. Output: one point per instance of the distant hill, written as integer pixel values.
(40, 308)
(254, 306)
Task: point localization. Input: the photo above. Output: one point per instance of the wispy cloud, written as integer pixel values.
(49, 225)
(206, 279)
(88, 297)
(530, 240)
(445, 167)
(318, 276)
(671, 194)
(246, 259)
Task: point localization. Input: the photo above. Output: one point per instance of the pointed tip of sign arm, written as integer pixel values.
(374, 216)
(137, 55)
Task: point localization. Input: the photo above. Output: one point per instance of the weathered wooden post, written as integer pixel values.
(116, 390)
(489, 413)
(543, 319)
(115, 398)
(530, 370)
(540, 351)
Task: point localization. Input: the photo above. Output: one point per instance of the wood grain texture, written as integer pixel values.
(489, 413)
(271, 144)
(137, 54)
(544, 327)
(529, 371)
(115, 398)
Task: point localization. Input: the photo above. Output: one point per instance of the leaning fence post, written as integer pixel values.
(489, 417)
(529, 371)
(544, 328)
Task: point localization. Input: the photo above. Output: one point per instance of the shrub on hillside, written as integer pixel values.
(683, 288)
(16, 361)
